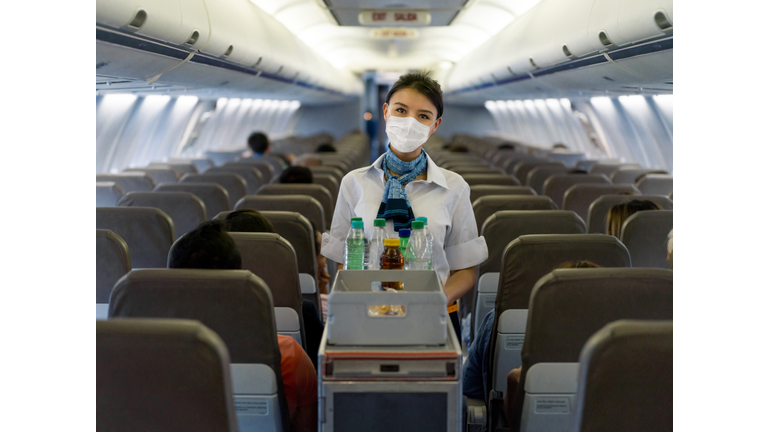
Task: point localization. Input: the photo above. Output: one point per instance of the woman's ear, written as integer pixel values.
(437, 123)
(385, 109)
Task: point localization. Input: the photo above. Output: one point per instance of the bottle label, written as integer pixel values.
(355, 255)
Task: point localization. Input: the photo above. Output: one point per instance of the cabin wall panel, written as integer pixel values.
(336, 119)
(459, 119)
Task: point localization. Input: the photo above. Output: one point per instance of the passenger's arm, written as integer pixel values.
(305, 419)
(513, 379)
(460, 282)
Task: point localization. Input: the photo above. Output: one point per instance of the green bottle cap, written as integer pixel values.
(379, 222)
(356, 219)
(417, 224)
(423, 219)
(357, 224)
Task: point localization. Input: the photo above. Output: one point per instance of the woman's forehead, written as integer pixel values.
(413, 99)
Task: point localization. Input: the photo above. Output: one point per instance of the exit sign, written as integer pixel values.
(394, 17)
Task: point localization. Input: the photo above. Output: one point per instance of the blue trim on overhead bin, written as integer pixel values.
(619, 54)
(160, 48)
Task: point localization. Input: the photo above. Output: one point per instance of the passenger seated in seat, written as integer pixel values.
(259, 144)
(323, 277)
(475, 368)
(326, 148)
(210, 247)
(619, 213)
(296, 174)
(248, 220)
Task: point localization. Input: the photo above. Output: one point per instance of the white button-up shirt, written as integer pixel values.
(443, 199)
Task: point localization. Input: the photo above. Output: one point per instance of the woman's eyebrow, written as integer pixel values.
(400, 103)
(428, 111)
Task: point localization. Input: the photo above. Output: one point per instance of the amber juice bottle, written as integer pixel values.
(391, 259)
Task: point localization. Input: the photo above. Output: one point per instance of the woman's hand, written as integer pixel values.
(460, 282)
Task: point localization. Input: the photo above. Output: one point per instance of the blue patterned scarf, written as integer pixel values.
(395, 204)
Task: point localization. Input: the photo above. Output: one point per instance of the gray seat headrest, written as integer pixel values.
(158, 175)
(491, 179)
(113, 260)
(251, 175)
(579, 197)
(234, 184)
(486, 206)
(148, 232)
(129, 182)
(538, 175)
(655, 184)
(557, 184)
(645, 235)
(629, 175)
(107, 194)
(315, 191)
(214, 196)
(186, 210)
(598, 210)
(478, 191)
(305, 205)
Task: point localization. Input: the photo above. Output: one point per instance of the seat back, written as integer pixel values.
(626, 375)
(214, 196)
(276, 162)
(645, 235)
(629, 175)
(566, 308)
(129, 182)
(180, 168)
(579, 197)
(148, 232)
(185, 209)
(598, 210)
(273, 259)
(219, 158)
(511, 163)
(557, 184)
(655, 184)
(476, 169)
(155, 375)
(107, 194)
(113, 260)
(325, 169)
(307, 206)
(249, 173)
(234, 184)
(158, 175)
(315, 191)
(235, 304)
(491, 179)
(486, 206)
(478, 191)
(523, 168)
(329, 182)
(587, 164)
(538, 175)
(266, 168)
(608, 168)
(569, 159)
(201, 163)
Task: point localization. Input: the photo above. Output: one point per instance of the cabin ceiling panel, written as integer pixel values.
(652, 67)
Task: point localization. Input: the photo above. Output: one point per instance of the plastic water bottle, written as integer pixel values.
(354, 259)
(349, 233)
(405, 236)
(430, 241)
(376, 249)
(417, 255)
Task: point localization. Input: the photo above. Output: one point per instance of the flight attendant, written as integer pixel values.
(405, 183)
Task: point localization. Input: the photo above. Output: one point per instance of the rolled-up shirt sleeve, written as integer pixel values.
(333, 242)
(463, 247)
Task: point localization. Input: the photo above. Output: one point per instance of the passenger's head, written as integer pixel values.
(577, 171)
(248, 220)
(326, 148)
(669, 248)
(560, 146)
(206, 247)
(458, 148)
(296, 174)
(619, 213)
(259, 143)
(577, 264)
(417, 96)
(506, 146)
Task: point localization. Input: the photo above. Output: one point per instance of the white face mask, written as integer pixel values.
(406, 134)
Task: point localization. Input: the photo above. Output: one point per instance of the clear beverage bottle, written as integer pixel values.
(405, 236)
(349, 233)
(430, 241)
(377, 248)
(356, 241)
(391, 259)
(417, 256)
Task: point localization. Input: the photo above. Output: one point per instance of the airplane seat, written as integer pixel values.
(158, 175)
(296, 230)
(579, 197)
(113, 260)
(329, 182)
(219, 158)
(524, 262)
(645, 235)
(129, 182)
(598, 210)
(185, 209)
(655, 184)
(235, 184)
(557, 184)
(107, 194)
(251, 175)
(629, 175)
(479, 169)
(325, 169)
(266, 168)
(235, 304)
(148, 232)
(486, 206)
(276, 162)
(608, 168)
(315, 191)
(305, 205)
(478, 191)
(273, 259)
(487, 287)
(511, 163)
(522, 169)
(503, 227)
(201, 163)
(539, 175)
(180, 168)
(626, 371)
(491, 179)
(567, 306)
(154, 375)
(214, 197)
(568, 159)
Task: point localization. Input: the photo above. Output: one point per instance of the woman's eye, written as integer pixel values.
(400, 110)
(425, 117)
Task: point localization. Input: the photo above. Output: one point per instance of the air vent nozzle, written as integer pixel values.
(139, 18)
(604, 39)
(662, 21)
